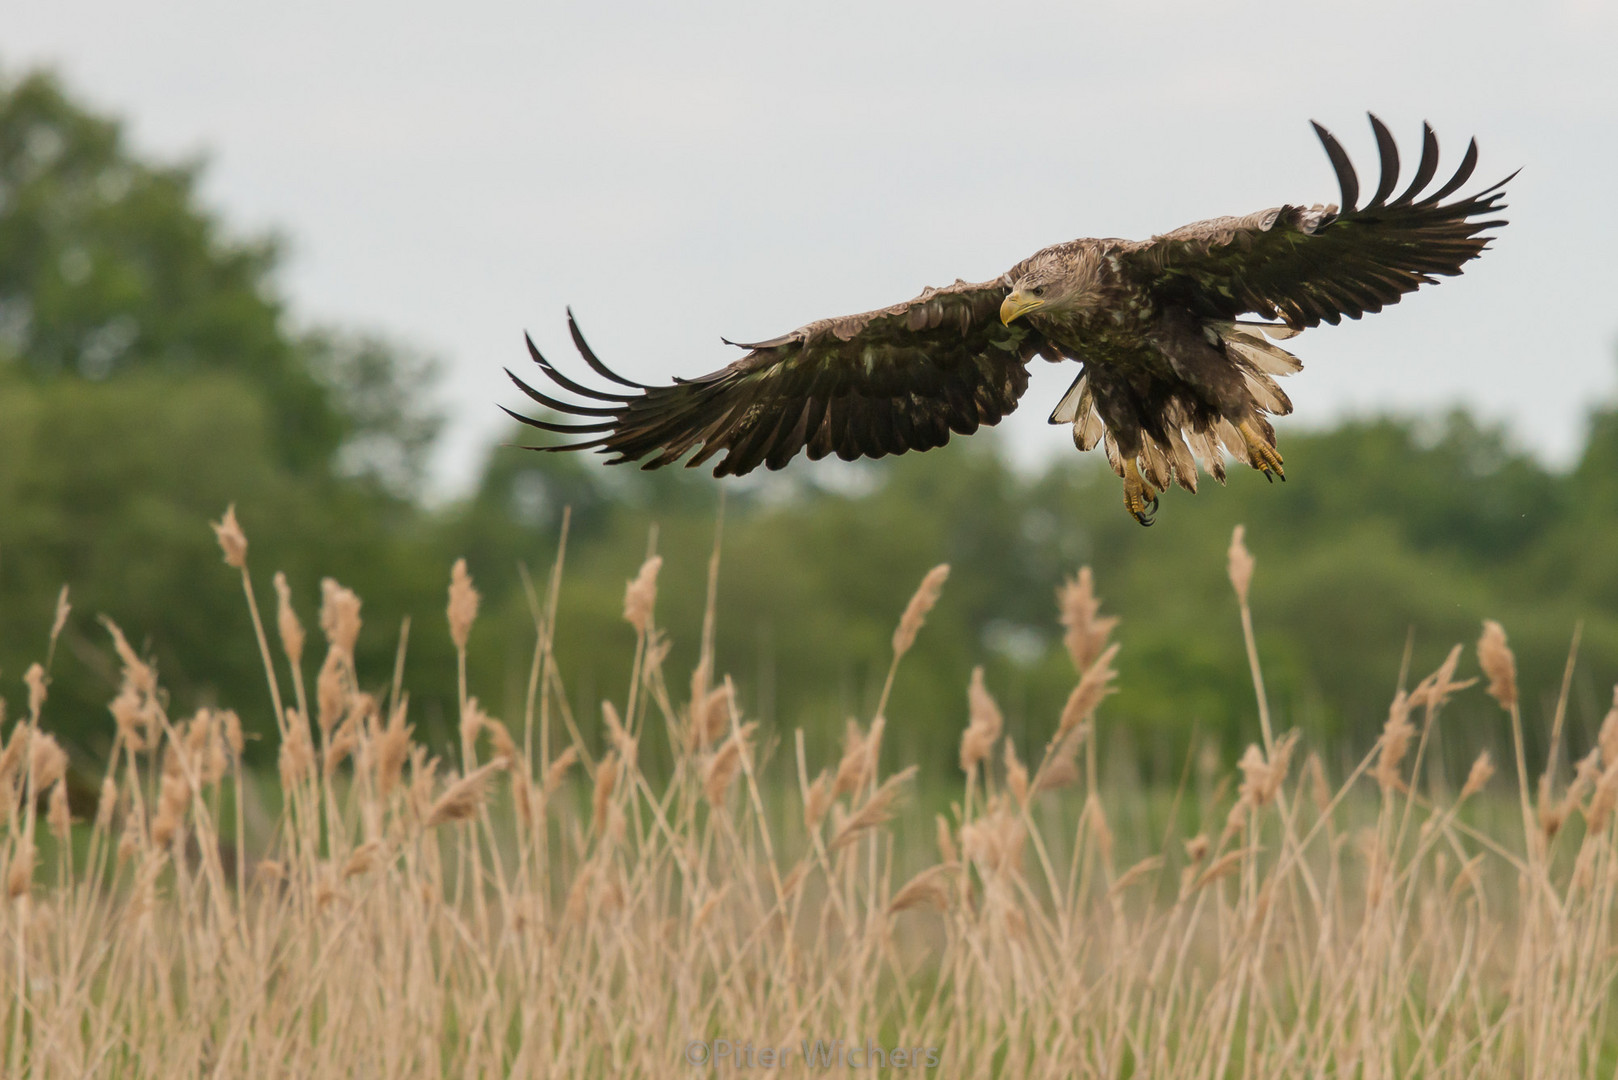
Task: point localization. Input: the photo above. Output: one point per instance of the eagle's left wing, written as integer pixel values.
(1308, 265)
(883, 382)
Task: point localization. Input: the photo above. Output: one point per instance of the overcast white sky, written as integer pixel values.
(453, 175)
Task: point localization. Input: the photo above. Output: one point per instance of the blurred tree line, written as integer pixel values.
(150, 374)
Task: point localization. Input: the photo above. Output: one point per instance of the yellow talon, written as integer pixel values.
(1261, 452)
(1139, 498)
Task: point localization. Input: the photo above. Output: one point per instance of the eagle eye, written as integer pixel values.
(1039, 290)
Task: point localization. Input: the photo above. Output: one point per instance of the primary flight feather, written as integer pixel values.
(1171, 374)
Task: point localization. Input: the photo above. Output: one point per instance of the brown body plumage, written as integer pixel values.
(1171, 374)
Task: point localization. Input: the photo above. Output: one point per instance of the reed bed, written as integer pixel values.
(550, 905)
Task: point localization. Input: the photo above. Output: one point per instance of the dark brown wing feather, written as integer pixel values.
(1318, 264)
(902, 378)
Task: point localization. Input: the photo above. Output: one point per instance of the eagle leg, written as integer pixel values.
(1261, 452)
(1139, 497)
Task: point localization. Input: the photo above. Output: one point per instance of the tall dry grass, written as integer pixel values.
(539, 904)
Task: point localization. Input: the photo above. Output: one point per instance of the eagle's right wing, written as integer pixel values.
(883, 382)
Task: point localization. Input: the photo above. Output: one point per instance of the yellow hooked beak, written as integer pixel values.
(1017, 305)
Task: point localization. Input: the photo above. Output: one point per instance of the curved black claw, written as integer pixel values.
(1269, 477)
(1148, 514)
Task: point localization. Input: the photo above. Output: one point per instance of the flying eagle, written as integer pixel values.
(1171, 374)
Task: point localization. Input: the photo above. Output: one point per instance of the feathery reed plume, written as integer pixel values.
(34, 678)
(860, 752)
(1016, 774)
(1061, 765)
(463, 604)
(331, 692)
(556, 771)
(930, 888)
(1137, 873)
(984, 726)
(1498, 663)
(1395, 741)
(1240, 564)
(994, 842)
(63, 609)
(622, 741)
(286, 621)
(343, 742)
(297, 754)
(173, 800)
(392, 747)
(578, 906)
(606, 780)
(726, 763)
(106, 804)
(462, 799)
(875, 811)
(926, 595)
(505, 747)
(1093, 687)
(1222, 867)
(20, 876)
(817, 800)
(362, 859)
(1607, 739)
(232, 541)
(140, 674)
(1435, 690)
(1079, 607)
(48, 760)
(711, 905)
(640, 595)
(1604, 799)
(57, 814)
(710, 717)
(339, 617)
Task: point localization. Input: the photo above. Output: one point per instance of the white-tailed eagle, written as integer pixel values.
(1171, 372)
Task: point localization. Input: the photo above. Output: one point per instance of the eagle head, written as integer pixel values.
(1050, 283)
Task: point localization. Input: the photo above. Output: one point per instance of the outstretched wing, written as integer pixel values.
(902, 378)
(1317, 264)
